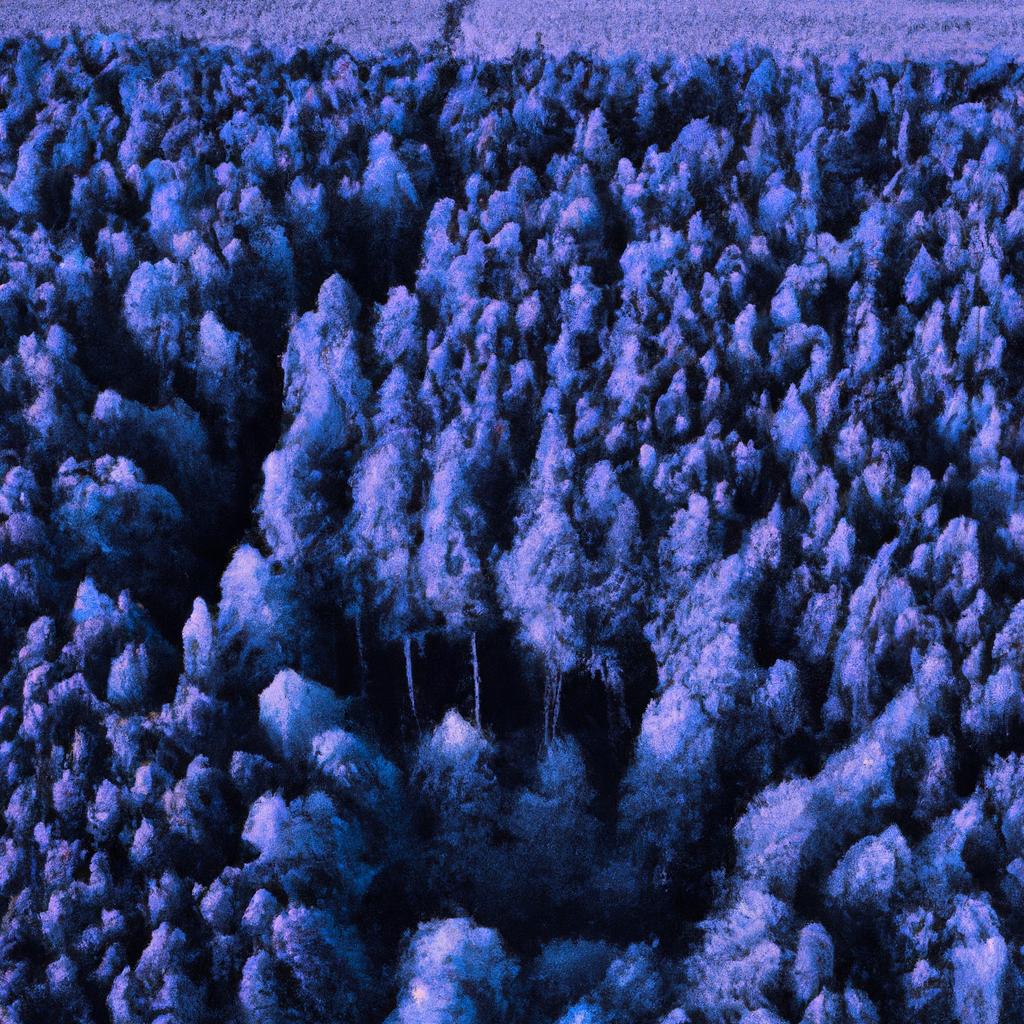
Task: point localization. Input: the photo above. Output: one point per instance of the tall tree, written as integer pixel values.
(541, 578)
(380, 535)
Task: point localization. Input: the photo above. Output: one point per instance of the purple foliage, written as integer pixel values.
(524, 541)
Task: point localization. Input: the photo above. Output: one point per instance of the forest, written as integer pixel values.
(522, 541)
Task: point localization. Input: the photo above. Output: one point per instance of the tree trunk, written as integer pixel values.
(476, 680)
(407, 647)
(608, 671)
(552, 703)
(549, 688)
(361, 654)
(558, 704)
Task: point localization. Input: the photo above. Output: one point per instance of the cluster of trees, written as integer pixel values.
(509, 541)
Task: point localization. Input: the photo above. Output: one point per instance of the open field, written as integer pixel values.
(935, 29)
(876, 28)
(364, 26)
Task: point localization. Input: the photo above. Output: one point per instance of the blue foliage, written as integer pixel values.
(517, 541)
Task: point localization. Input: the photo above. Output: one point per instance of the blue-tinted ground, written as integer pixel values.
(879, 29)
(535, 541)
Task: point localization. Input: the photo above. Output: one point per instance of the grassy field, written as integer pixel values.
(957, 29)
(363, 26)
(878, 29)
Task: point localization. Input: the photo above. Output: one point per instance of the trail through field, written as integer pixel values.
(926, 29)
(454, 12)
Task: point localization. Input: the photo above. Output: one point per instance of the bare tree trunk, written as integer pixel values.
(361, 655)
(558, 703)
(608, 671)
(407, 647)
(476, 680)
(548, 694)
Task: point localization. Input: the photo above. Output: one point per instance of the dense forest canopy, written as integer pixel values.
(521, 541)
